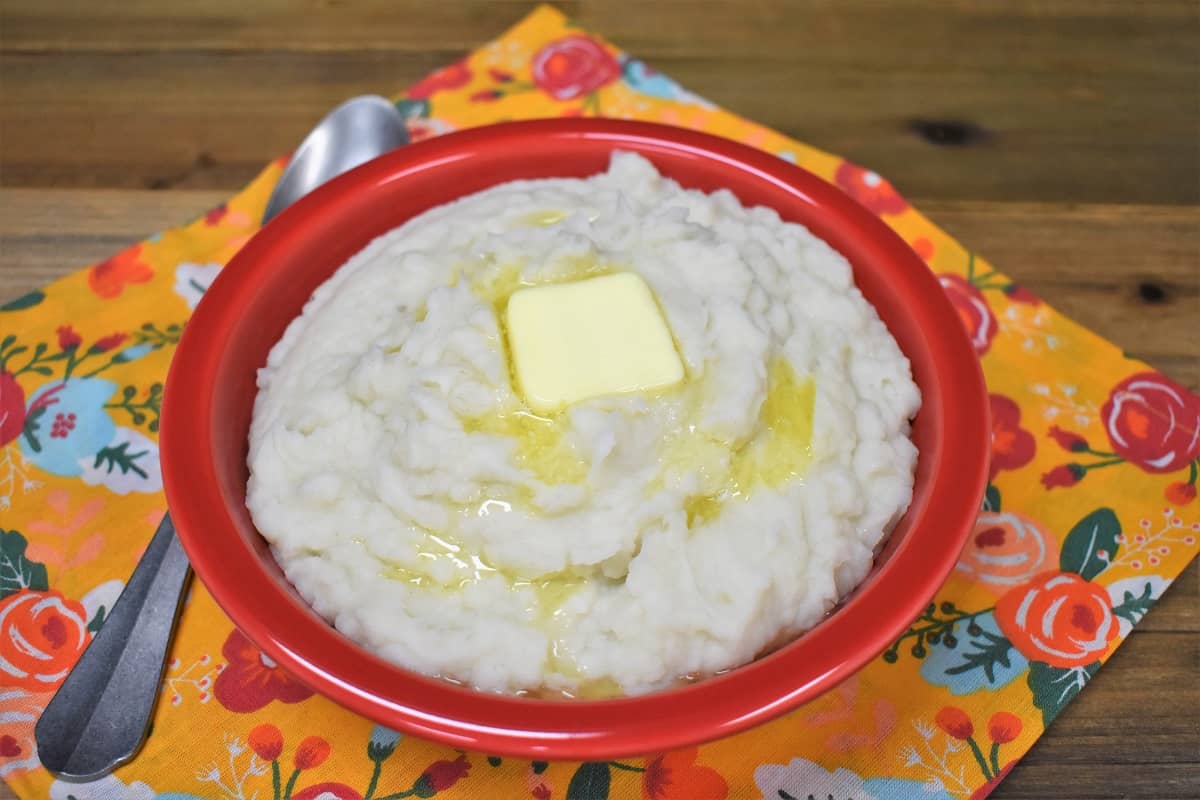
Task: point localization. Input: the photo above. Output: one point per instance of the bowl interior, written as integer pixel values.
(211, 391)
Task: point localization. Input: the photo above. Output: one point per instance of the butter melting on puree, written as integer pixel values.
(779, 452)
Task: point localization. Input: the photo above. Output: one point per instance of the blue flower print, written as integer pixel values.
(982, 658)
(66, 424)
(652, 83)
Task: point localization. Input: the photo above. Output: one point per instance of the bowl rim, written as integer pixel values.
(313, 652)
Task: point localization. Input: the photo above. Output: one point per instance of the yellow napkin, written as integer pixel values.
(1090, 514)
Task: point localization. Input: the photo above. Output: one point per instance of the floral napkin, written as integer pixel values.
(1090, 513)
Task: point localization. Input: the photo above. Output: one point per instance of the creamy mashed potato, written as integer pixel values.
(626, 541)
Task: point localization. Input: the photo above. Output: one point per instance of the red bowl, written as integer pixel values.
(211, 388)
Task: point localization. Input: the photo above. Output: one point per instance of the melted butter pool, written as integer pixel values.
(778, 453)
(542, 445)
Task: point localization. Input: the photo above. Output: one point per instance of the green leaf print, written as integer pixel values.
(1054, 687)
(991, 499)
(990, 651)
(97, 622)
(1134, 608)
(413, 109)
(590, 782)
(1091, 544)
(24, 301)
(17, 572)
(121, 458)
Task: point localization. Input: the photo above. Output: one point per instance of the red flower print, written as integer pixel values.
(499, 75)
(312, 752)
(675, 776)
(539, 786)
(1063, 475)
(1071, 442)
(1019, 294)
(1058, 618)
(1153, 422)
(454, 76)
(12, 408)
(215, 215)
(487, 96)
(1003, 727)
(42, 634)
(1006, 549)
(955, 722)
(973, 310)
(1181, 493)
(869, 189)
(266, 741)
(339, 791)
(109, 278)
(574, 66)
(62, 426)
(106, 343)
(1012, 446)
(441, 775)
(68, 339)
(251, 680)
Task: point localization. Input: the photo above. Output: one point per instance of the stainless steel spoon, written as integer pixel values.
(101, 714)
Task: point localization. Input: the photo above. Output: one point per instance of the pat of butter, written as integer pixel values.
(573, 341)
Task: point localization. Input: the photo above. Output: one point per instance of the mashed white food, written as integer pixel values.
(627, 541)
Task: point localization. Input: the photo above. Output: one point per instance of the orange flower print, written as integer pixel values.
(266, 741)
(41, 636)
(251, 680)
(869, 189)
(923, 247)
(675, 776)
(1180, 493)
(1006, 549)
(1003, 727)
(312, 752)
(955, 722)
(1058, 618)
(109, 278)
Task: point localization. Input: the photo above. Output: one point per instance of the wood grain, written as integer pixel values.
(1057, 138)
(1064, 100)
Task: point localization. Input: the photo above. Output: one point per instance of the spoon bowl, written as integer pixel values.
(360, 129)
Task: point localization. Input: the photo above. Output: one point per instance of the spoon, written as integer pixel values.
(100, 716)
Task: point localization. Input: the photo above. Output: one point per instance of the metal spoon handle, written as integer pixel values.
(101, 713)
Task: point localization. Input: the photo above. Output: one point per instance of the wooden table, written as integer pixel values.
(1061, 138)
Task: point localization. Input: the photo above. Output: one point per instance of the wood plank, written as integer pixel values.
(1132, 733)
(1077, 102)
(1130, 273)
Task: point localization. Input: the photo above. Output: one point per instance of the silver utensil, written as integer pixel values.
(101, 714)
